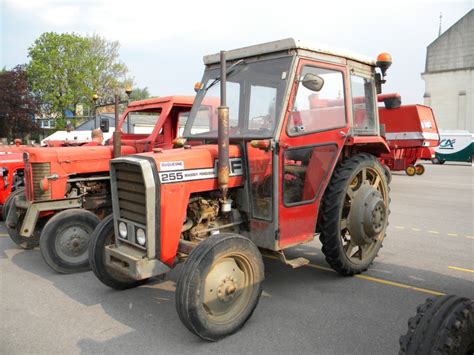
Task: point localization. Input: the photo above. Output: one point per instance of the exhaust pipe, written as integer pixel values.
(223, 138)
(117, 138)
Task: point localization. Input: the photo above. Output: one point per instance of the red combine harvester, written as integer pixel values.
(411, 133)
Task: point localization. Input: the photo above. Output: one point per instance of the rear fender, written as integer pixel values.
(375, 145)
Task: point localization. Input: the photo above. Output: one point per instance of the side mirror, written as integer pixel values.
(104, 125)
(312, 82)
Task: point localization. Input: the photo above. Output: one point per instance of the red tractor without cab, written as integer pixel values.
(67, 189)
(281, 163)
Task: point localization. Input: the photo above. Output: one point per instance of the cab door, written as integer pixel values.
(311, 140)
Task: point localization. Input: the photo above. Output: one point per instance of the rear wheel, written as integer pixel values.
(220, 286)
(102, 236)
(443, 325)
(354, 214)
(64, 241)
(410, 170)
(435, 161)
(420, 169)
(9, 201)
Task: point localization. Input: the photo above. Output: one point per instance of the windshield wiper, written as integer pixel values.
(229, 72)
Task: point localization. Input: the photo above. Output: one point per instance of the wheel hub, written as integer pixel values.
(223, 286)
(73, 242)
(367, 217)
(227, 289)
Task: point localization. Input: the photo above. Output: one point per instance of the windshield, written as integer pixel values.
(140, 122)
(255, 92)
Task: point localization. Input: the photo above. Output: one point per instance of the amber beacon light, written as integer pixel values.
(384, 61)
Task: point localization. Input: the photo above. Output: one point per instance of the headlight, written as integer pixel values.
(141, 237)
(123, 230)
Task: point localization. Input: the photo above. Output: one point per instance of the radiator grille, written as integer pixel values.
(38, 172)
(131, 192)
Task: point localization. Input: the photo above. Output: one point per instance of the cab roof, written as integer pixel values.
(176, 100)
(285, 45)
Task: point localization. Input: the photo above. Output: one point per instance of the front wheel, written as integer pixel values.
(9, 201)
(354, 214)
(220, 286)
(443, 325)
(64, 241)
(14, 232)
(104, 235)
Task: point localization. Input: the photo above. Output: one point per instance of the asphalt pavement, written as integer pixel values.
(429, 250)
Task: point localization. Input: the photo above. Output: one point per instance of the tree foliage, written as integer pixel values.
(17, 104)
(66, 69)
(139, 94)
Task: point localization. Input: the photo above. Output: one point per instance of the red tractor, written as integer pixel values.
(281, 164)
(67, 189)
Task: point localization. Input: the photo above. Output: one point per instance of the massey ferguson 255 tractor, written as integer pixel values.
(68, 188)
(282, 162)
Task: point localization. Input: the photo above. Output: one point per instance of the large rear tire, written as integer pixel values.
(102, 236)
(9, 201)
(354, 214)
(443, 325)
(220, 286)
(64, 241)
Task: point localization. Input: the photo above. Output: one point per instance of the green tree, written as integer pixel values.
(139, 94)
(17, 105)
(66, 69)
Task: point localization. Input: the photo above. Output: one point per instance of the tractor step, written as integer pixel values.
(294, 263)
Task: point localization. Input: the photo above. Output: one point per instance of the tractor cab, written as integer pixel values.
(293, 110)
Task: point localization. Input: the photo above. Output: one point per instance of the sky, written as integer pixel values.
(163, 42)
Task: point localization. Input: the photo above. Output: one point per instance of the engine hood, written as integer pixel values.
(74, 154)
(196, 157)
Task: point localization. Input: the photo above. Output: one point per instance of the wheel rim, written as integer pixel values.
(72, 243)
(411, 170)
(420, 169)
(370, 197)
(228, 288)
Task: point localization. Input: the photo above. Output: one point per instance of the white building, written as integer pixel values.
(448, 76)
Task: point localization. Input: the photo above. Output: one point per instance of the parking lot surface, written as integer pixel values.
(429, 250)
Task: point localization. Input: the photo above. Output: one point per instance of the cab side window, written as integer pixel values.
(318, 111)
(363, 105)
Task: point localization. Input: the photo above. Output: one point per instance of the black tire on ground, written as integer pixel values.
(64, 241)
(388, 173)
(349, 252)
(442, 325)
(9, 201)
(410, 170)
(104, 235)
(14, 233)
(220, 286)
(441, 161)
(435, 161)
(420, 169)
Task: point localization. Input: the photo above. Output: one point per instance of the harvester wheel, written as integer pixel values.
(220, 286)
(443, 325)
(410, 170)
(420, 169)
(9, 201)
(102, 236)
(14, 232)
(354, 214)
(64, 241)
